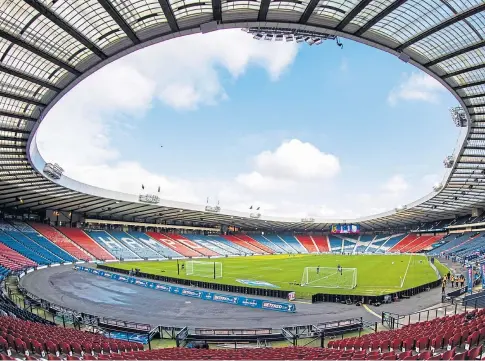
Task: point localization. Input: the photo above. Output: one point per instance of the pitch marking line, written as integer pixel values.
(370, 311)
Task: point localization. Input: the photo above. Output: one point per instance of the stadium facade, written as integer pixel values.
(49, 47)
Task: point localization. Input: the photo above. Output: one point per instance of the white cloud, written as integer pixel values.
(77, 132)
(297, 160)
(396, 184)
(185, 81)
(417, 87)
(293, 179)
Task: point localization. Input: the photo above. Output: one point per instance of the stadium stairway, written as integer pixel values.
(155, 245)
(112, 245)
(275, 239)
(391, 242)
(266, 242)
(20, 248)
(140, 249)
(62, 241)
(174, 245)
(249, 246)
(12, 259)
(255, 243)
(322, 243)
(336, 244)
(204, 242)
(43, 242)
(193, 245)
(408, 239)
(293, 242)
(229, 246)
(78, 236)
(307, 242)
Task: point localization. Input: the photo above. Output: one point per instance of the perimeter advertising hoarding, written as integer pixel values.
(203, 295)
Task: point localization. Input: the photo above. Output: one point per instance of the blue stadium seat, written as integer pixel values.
(211, 244)
(154, 244)
(229, 246)
(112, 245)
(293, 243)
(335, 244)
(263, 240)
(20, 248)
(280, 243)
(137, 247)
(44, 242)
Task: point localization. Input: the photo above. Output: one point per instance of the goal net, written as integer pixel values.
(329, 277)
(203, 269)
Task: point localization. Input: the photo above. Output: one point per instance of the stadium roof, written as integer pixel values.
(47, 47)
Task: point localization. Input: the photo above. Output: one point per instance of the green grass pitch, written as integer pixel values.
(376, 274)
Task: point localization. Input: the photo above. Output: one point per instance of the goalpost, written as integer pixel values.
(329, 277)
(203, 269)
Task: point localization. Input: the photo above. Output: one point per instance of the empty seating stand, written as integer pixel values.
(84, 241)
(266, 242)
(203, 241)
(193, 245)
(404, 243)
(13, 260)
(174, 245)
(43, 242)
(308, 243)
(62, 241)
(15, 245)
(135, 246)
(157, 246)
(293, 242)
(247, 245)
(322, 243)
(42, 339)
(254, 242)
(118, 250)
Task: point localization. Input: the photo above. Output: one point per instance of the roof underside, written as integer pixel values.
(46, 45)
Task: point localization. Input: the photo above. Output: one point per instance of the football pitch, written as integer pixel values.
(376, 274)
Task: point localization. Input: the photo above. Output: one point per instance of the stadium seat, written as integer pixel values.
(79, 237)
(62, 241)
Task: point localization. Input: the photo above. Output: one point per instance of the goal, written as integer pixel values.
(203, 269)
(329, 277)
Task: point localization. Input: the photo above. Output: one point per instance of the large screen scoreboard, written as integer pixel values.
(345, 229)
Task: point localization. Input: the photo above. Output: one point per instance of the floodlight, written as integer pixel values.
(279, 37)
(258, 36)
(268, 37)
(289, 37)
(309, 41)
(318, 41)
(300, 39)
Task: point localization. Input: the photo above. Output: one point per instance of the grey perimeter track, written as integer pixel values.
(102, 297)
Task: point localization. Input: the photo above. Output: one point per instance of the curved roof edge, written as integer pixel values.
(38, 162)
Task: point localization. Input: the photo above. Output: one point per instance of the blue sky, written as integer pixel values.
(299, 130)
